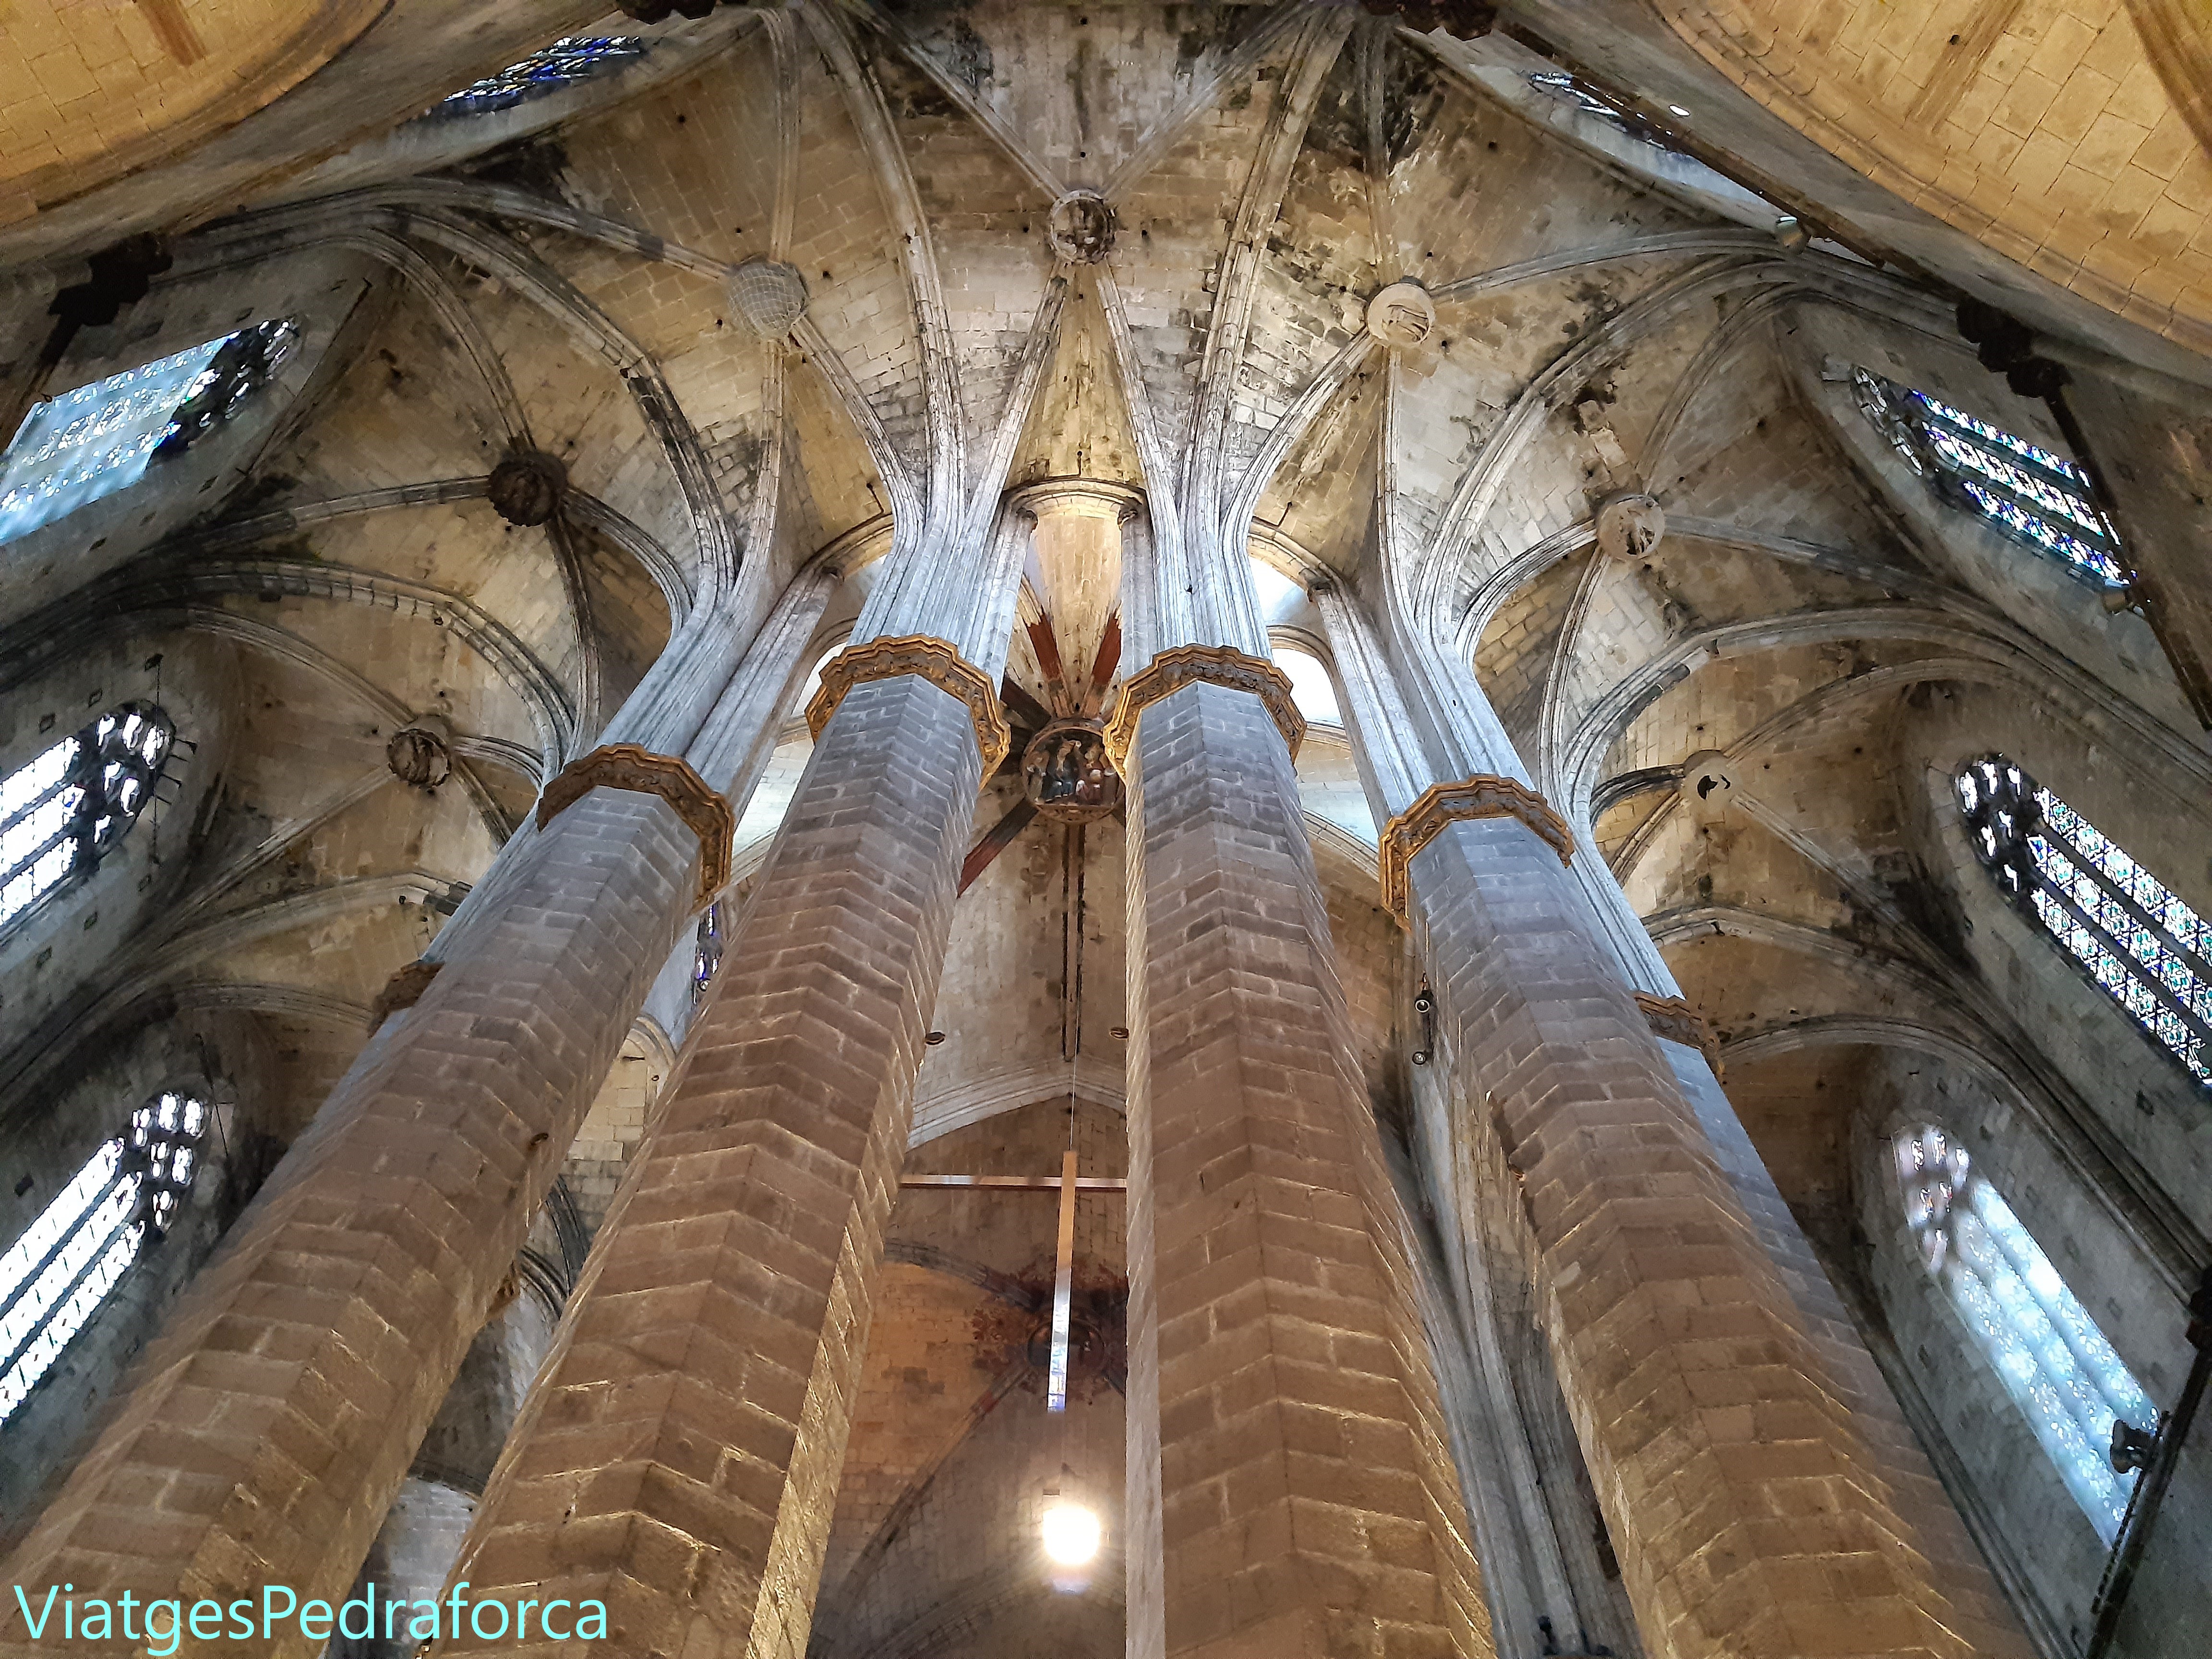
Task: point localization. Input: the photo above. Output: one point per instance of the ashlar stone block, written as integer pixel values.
(1291, 1494)
(678, 1458)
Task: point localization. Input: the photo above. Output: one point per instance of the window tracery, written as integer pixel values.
(54, 1278)
(570, 59)
(2055, 1363)
(2125, 929)
(85, 445)
(61, 810)
(2024, 489)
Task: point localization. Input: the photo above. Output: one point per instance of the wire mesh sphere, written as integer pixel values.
(769, 295)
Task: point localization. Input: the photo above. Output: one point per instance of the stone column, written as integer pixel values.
(267, 1429)
(1528, 1575)
(1757, 1508)
(679, 1461)
(1290, 1491)
(421, 1537)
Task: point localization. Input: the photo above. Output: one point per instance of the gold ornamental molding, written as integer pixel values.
(403, 990)
(1672, 1019)
(926, 658)
(1217, 665)
(1478, 797)
(631, 765)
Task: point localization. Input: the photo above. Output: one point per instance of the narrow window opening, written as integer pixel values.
(2122, 927)
(2054, 1364)
(61, 812)
(568, 60)
(2023, 488)
(53, 1279)
(706, 957)
(87, 444)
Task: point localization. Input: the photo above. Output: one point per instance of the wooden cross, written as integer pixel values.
(1067, 1183)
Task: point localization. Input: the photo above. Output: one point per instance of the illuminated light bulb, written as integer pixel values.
(1072, 1534)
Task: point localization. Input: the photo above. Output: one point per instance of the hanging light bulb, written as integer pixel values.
(1072, 1533)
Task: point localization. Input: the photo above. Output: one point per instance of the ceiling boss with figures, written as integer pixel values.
(953, 828)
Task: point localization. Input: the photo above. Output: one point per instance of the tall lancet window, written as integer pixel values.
(54, 1278)
(573, 57)
(74, 449)
(66, 806)
(2124, 929)
(2055, 1363)
(2031, 494)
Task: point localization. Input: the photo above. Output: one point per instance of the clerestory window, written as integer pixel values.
(85, 445)
(1578, 93)
(2122, 927)
(2026, 491)
(2055, 1363)
(571, 58)
(54, 1278)
(61, 810)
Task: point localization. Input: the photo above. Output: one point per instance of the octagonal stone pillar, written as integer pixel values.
(266, 1428)
(1759, 1488)
(678, 1459)
(1290, 1490)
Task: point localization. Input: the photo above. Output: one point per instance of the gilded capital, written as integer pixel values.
(1478, 797)
(1217, 664)
(925, 658)
(632, 766)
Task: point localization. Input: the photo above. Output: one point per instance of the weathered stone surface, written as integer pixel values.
(273, 1420)
(1286, 1452)
(1753, 1511)
(680, 1455)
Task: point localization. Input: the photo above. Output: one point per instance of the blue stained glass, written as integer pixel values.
(2067, 1379)
(2035, 503)
(2050, 497)
(1998, 435)
(73, 449)
(2163, 980)
(2043, 533)
(574, 58)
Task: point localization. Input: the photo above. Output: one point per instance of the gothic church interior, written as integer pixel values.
(893, 828)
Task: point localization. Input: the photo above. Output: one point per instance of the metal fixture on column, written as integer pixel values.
(2157, 1456)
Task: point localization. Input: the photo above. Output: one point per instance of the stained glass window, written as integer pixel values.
(2124, 929)
(574, 58)
(57, 1274)
(74, 449)
(2055, 1363)
(1573, 90)
(68, 804)
(2031, 494)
